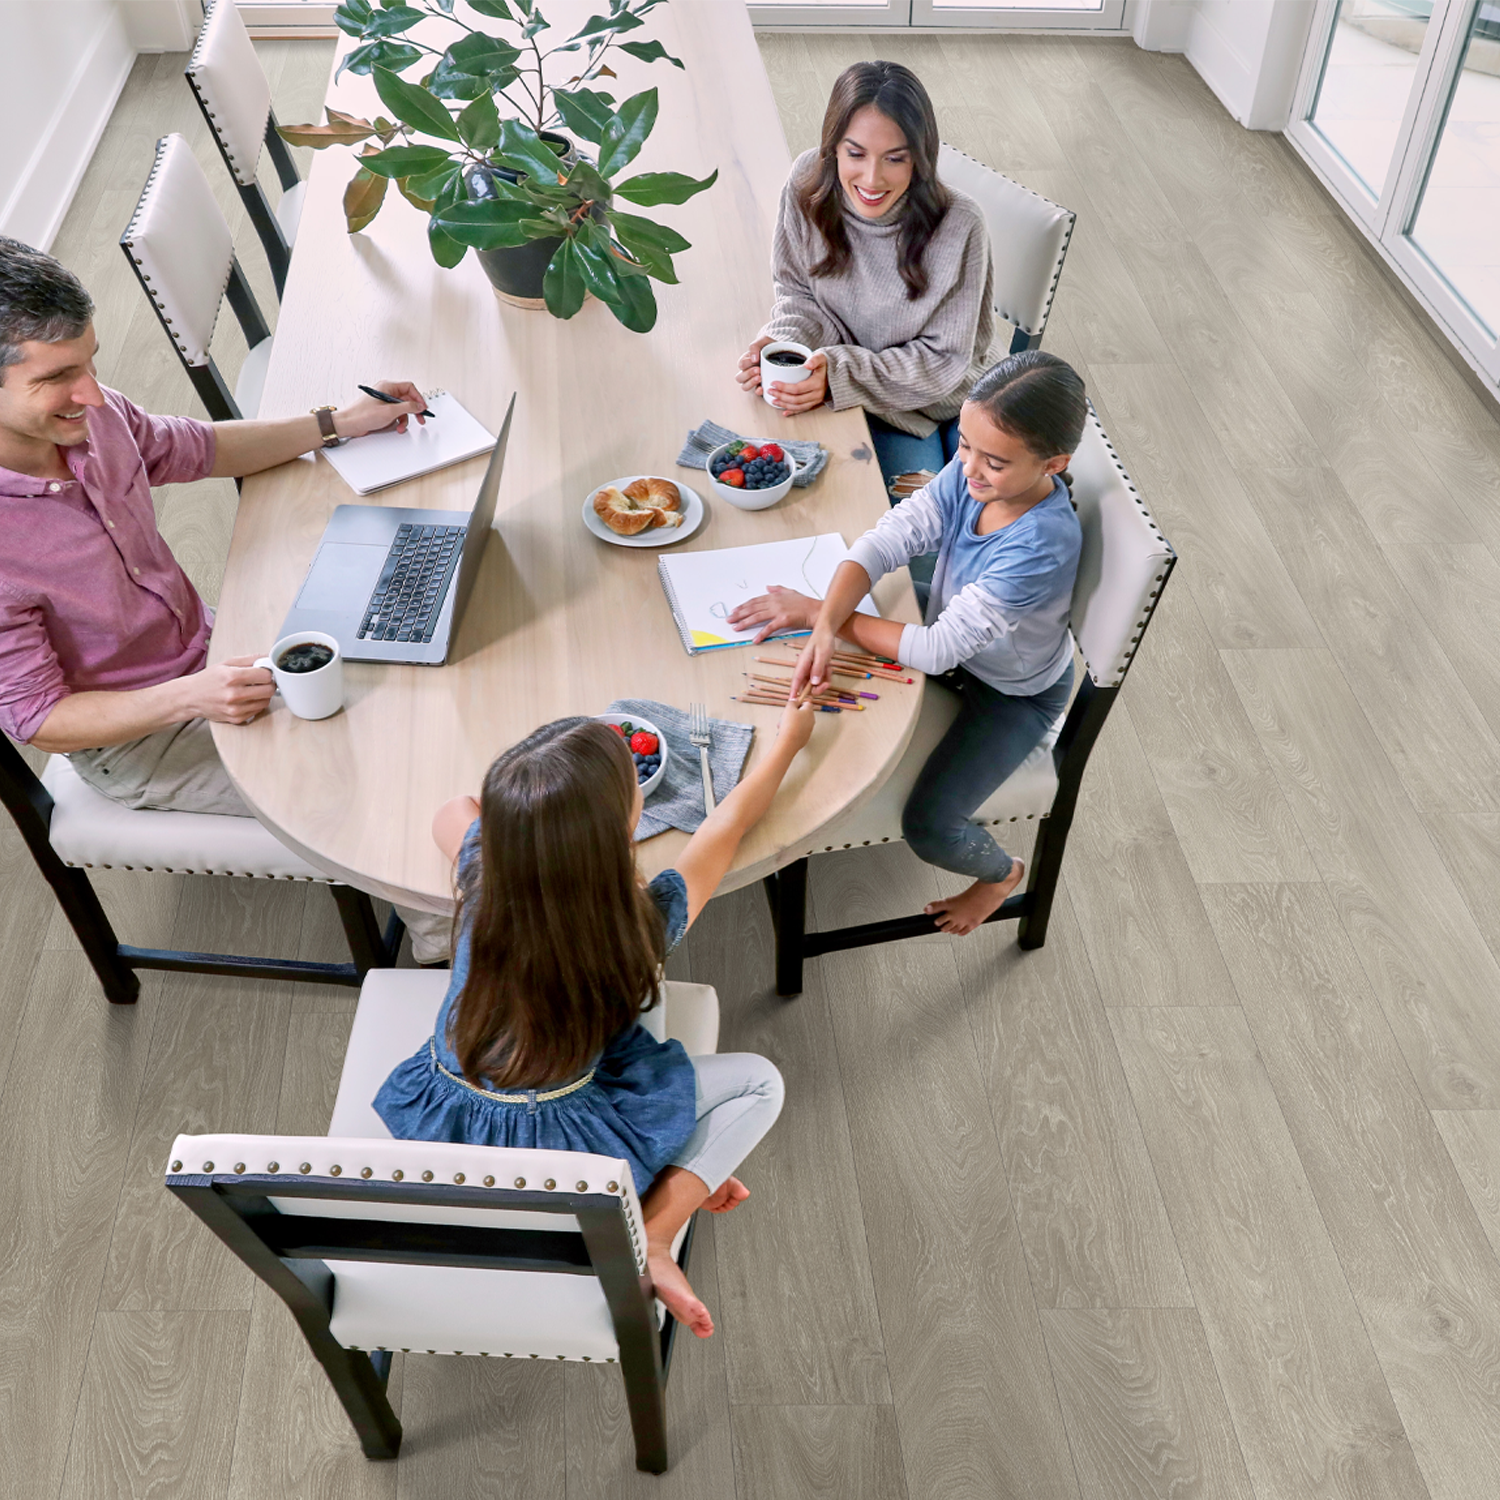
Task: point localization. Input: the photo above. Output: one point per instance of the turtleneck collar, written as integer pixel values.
(890, 219)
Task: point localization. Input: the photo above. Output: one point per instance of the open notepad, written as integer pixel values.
(382, 459)
(704, 588)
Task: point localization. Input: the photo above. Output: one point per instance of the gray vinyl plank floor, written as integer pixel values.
(1202, 1199)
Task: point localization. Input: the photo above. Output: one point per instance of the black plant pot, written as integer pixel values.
(516, 272)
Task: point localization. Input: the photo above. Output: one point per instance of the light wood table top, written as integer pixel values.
(560, 622)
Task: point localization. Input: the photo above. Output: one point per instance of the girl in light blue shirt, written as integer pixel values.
(995, 628)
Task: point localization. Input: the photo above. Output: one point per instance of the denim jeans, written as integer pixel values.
(900, 453)
(991, 736)
(739, 1097)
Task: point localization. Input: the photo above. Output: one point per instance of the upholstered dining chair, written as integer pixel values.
(234, 94)
(180, 249)
(71, 829)
(1123, 566)
(378, 1246)
(1029, 238)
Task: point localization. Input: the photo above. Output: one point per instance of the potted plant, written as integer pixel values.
(541, 214)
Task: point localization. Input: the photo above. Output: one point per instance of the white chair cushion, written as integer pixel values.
(289, 211)
(252, 380)
(182, 246)
(1122, 565)
(1026, 793)
(228, 78)
(89, 830)
(1028, 237)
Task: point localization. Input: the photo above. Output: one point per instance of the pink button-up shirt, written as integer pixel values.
(90, 594)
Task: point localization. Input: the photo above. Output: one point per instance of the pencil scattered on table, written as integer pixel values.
(874, 665)
(760, 681)
(822, 708)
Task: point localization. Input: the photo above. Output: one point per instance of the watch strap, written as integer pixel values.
(324, 414)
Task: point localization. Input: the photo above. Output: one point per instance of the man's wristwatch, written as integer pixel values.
(324, 414)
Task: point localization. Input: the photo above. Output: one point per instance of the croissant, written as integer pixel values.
(660, 493)
(621, 514)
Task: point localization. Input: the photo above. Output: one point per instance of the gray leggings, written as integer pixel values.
(739, 1097)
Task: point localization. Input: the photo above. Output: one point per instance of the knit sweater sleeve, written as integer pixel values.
(902, 533)
(796, 314)
(922, 372)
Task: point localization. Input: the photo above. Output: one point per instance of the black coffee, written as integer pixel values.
(785, 357)
(307, 657)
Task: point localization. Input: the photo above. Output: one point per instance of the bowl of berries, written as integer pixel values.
(751, 475)
(647, 746)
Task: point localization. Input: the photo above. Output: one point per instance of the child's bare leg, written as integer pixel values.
(671, 1202)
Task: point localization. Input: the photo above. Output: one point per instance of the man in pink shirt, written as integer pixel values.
(103, 638)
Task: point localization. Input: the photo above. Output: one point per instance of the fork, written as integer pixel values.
(699, 736)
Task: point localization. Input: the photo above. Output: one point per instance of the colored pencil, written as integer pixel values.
(822, 708)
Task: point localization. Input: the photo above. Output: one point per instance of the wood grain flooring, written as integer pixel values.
(1200, 1200)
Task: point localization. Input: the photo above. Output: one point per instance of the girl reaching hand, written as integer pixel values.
(559, 949)
(996, 619)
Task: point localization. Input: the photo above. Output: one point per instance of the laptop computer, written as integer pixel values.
(390, 583)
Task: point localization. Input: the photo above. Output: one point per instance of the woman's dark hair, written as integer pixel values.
(898, 94)
(1038, 398)
(566, 946)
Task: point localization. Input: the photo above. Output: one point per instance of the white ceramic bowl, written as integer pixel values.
(651, 783)
(752, 499)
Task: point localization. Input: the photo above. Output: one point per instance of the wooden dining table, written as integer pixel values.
(560, 622)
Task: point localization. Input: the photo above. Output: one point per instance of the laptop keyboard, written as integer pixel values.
(408, 595)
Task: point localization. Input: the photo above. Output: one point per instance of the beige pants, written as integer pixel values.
(179, 770)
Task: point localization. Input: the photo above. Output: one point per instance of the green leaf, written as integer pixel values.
(446, 6)
(362, 199)
(403, 186)
(563, 285)
(649, 52)
(607, 25)
(490, 225)
(523, 150)
(391, 22)
(585, 111)
(635, 304)
(585, 182)
(627, 132)
(386, 54)
(475, 65)
(479, 124)
(405, 161)
(653, 245)
(414, 106)
(353, 16)
(649, 188)
(496, 8)
(537, 23)
(599, 276)
(447, 252)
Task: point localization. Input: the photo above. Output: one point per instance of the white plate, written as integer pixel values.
(662, 536)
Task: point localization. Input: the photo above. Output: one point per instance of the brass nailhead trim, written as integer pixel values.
(239, 1166)
(397, 1175)
(426, 1176)
(614, 1187)
(305, 1168)
(550, 1183)
(208, 1166)
(335, 1170)
(520, 1182)
(583, 1187)
(273, 1166)
(366, 1172)
(489, 1182)
(458, 1177)
(176, 1166)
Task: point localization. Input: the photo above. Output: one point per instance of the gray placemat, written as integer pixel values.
(677, 801)
(813, 457)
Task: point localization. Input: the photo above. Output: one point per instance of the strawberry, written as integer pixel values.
(750, 451)
(618, 730)
(772, 451)
(643, 743)
(734, 478)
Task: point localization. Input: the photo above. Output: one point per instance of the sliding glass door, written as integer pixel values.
(1071, 15)
(1399, 108)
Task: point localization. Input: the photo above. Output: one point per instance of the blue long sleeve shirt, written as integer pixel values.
(999, 603)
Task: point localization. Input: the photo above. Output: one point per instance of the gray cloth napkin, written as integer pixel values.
(677, 801)
(813, 457)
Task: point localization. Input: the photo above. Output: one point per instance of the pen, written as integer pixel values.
(370, 390)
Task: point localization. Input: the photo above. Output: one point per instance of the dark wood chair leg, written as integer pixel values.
(91, 926)
(786, 890)
(361, 930)
(1046, 866)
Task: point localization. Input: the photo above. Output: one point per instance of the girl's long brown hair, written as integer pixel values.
(898, 94)
(565, 944)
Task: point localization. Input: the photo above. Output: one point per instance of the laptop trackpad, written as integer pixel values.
(342, 576)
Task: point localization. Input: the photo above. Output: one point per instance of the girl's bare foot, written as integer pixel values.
(673, 1288)
(962, 913)
(730, 1194)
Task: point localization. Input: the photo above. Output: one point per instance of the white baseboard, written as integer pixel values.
(36, 207)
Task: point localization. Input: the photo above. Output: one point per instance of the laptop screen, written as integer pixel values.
(481, 518)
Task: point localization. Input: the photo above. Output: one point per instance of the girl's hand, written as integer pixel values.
(796, 726)
(813, 661)
(749, 373)
(776, 609)
(807, 394)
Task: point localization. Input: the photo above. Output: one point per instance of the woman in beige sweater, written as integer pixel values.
(883, 271)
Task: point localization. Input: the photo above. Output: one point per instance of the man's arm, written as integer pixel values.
(248, 447)
(231, 693)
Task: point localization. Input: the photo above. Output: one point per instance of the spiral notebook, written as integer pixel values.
(704, 588)
(382, 459)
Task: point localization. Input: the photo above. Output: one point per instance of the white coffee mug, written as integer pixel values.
(786, 374)
(309, 695)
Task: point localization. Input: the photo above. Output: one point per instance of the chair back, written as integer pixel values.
(181, 248)
(1123, 563)
(1028, 239)
(232, 88)
(435, 1248)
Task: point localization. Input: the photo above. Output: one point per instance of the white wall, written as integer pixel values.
(1247, 51)
(64, 64)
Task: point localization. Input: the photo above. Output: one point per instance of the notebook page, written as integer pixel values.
(385, 458)
(704, 588)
